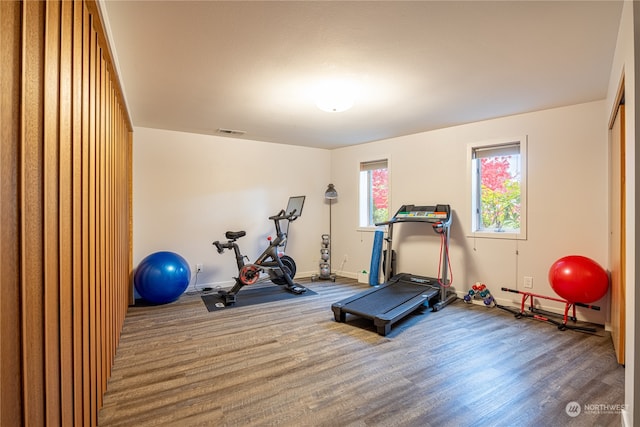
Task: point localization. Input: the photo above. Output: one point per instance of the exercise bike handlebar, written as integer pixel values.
(283, 215)
(222, 246)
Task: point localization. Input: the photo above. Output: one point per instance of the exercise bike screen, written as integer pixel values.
(295, 202)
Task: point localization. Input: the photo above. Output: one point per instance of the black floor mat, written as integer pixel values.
(254, 296)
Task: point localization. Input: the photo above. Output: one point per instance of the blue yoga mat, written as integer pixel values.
(374, 270)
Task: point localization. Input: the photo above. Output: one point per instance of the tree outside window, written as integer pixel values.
(379, 195)
(374, 192)
(498, 183)
(500, 193)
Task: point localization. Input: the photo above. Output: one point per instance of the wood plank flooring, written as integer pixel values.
(289, 363)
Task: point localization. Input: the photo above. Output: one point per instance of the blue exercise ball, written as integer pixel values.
(162, 277)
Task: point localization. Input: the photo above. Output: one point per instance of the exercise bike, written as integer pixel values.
(280, 268)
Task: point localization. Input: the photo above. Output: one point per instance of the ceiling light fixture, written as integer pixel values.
(334, 96)
(335, 104)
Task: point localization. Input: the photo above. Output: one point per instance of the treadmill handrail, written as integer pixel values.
(440, 225)
(414, 219)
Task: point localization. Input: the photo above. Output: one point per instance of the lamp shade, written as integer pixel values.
(331, 193)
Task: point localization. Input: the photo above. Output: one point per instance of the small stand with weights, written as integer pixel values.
(325, 261)
(479, 291)
(404, 293)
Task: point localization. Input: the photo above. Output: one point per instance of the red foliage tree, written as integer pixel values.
(500, 194)
(495, 172)
(379, 188)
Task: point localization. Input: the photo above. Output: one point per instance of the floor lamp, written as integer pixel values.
(330, 194)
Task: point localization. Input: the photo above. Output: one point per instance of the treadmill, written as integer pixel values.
(403, 293)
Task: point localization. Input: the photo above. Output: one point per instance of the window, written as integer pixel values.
(374, 192)
(498, 189)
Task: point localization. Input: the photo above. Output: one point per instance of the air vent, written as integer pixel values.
(230, 131)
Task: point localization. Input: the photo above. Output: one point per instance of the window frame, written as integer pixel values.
(362, 202)
(473, 188)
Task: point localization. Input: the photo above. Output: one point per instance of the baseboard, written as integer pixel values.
(347, 274)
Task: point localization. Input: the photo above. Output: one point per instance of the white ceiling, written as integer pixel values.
(418, 65)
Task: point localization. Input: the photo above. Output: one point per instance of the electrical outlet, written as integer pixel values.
(198, 268)
(528, 282)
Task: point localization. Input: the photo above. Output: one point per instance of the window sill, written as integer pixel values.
(497, 235)
(372, 228)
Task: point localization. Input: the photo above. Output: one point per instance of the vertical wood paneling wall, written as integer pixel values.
(65, 213)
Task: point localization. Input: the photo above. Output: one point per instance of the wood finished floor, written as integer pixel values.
(289, 363)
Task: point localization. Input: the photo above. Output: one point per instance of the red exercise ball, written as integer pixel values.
(578, 279)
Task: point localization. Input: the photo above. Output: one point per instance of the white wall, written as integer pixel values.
(189, 189)
(567, 200)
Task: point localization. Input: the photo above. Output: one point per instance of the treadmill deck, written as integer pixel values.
(387, 303)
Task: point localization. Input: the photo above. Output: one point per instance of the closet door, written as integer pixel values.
(617, 233)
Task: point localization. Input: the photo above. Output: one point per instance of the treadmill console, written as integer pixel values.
(413, 213)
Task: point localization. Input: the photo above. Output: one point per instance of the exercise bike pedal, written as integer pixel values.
(296, 289)
(228, 298)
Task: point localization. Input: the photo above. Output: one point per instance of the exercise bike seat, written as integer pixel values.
(233, 235)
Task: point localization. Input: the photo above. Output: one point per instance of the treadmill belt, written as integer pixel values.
(387, 298)
(389, 302)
